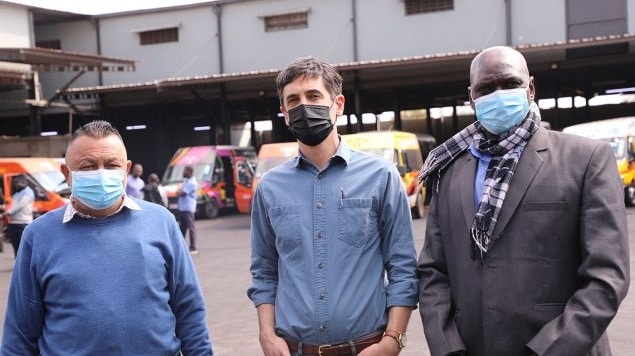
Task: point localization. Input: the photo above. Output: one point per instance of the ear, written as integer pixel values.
(339, 105)
(66, 172)
(286, 115)
(469, 95)
(532, 89)
(128, 166)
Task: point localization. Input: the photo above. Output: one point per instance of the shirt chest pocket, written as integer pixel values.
(356, 220)
(285, 221)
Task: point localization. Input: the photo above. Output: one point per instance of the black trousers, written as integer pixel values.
(186, 222)
(14, 233)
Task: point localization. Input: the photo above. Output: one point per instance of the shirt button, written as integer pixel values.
(320, 176)
(322, 327)
(320, 234)
(320, 204)
(322, 264)
(322, 295)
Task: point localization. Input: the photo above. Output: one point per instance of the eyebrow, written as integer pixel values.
(290, 96)
(488, 81)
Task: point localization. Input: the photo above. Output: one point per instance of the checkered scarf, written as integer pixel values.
(505, 149)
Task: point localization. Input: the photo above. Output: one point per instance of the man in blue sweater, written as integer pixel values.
(106, 274)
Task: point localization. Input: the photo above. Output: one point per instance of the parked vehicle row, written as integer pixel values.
(227, 175)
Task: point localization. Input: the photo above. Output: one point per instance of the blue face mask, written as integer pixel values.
(502, 110)
(98, 189)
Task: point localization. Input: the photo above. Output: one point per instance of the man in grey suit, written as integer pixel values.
(526, 249)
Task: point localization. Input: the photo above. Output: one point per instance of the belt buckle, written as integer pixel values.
(320, 349)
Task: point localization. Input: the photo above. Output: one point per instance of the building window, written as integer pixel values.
(421, 6)
(290, 21)
(159, 36)
(52, 44)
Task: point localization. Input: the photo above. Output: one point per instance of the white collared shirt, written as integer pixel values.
(71, 211)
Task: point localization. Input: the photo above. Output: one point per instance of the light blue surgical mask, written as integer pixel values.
(98, 189)
(502, 110)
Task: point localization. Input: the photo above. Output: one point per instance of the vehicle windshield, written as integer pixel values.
(202, 172)
(618, 145)
(266, 164)
(52, 181)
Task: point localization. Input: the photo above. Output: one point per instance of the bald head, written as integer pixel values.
(498, 59)
(498, 68)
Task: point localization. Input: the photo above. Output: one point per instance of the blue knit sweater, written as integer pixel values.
(122, 285)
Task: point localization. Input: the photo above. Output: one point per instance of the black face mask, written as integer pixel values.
(17, 187)
(310, 124)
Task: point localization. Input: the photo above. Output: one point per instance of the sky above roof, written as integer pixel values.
(97, 7)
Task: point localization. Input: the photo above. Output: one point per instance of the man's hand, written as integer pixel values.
(273, 345)
(386, 347)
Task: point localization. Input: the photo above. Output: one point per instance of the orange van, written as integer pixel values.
(43, 175)
(272, 155)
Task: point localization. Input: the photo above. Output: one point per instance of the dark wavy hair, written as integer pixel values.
(310, 67)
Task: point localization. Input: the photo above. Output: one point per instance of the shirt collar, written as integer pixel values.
(484, 156)
(343, 152)
(70, 210)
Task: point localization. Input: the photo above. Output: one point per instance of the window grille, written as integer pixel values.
(289, 21)
(52, 44)
(159, 36)
(422, 6)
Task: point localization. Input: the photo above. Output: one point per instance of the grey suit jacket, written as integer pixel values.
(557, 269)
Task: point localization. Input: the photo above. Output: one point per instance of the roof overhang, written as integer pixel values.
(440, 78)
(534, 53)
(64, 61)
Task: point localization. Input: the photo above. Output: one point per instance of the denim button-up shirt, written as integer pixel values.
(332, 249)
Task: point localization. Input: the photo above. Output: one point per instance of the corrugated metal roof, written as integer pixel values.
(350, 66)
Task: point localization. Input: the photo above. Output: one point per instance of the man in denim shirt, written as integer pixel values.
(333, 260)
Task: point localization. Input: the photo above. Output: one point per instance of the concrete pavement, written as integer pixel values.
(223, 269)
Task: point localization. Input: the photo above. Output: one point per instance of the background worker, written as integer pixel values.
(20, 213)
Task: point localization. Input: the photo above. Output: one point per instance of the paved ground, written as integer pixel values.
(223, 268)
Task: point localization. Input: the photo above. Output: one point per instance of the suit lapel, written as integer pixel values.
(528, 166)
(466, 164)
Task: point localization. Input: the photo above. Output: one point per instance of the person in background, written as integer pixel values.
(332, 251)
(154, 192)
(135, 183)
(526, 247)
(186, 205)
(20, 213)
(106, 274)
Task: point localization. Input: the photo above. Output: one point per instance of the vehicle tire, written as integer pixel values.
(210, 209)
(418, 210)
(629, 195)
